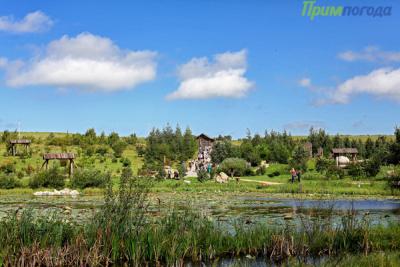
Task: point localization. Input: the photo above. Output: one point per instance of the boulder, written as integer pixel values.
(63, 192)
(221, 178)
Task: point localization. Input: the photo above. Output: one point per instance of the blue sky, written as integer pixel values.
(219, 67)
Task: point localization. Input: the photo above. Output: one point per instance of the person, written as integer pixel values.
(298, 173)
(293, 173)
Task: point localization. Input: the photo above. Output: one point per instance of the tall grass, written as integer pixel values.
(122, 232)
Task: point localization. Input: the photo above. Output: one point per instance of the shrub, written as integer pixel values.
(335, 172)
(118, 148)
(8, 168)
(324, 165)
(125, 162)
(102, 150)
(233, 166)
(372, 167)
(182, 170)
(355, 169)
(273, 174)
(9, 182)
(249, 172)
(51, 178)
(261, 170)
(89, 178)
(29, 169)
(202, 175)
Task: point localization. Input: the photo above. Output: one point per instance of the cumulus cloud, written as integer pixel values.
(383, 82)
(223, 77)
(372, 54)
(33, 22)
(86, 61)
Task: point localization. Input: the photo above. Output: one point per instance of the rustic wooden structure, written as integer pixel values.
(205, 141)
(60, 156)
(13, 145)
(205, 147)
(337, 152)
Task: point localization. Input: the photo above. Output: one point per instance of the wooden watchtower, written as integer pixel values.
(13, 145)
(60, 156)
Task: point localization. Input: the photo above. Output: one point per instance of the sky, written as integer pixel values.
(219, 67)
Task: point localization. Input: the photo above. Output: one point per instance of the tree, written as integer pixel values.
(395, 148)
(372, 166)
(221, 151)
(233, 166)
(118, 147)
(189, 145)
(90, 136)
(299, 158)
(369, 148)
(112, 138)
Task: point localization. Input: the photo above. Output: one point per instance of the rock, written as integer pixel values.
(264, 163)
(63, 192)
(222, 178)
(187, 181)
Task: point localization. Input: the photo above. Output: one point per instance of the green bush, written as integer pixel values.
(102, 150)
(234, 166)
(89, 178)
(8, 168)
(202, 175)
(118, 148)
(52, 178)
(273, 174)
(261, 170)
(355, 169)
(125, 162)
(372, 167)
(324, 165)
(9, 182)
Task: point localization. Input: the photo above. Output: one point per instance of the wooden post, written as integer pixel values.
(71, 167)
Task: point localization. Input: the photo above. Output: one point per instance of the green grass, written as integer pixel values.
(309, 185)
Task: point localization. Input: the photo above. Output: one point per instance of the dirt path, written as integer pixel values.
(261, 182)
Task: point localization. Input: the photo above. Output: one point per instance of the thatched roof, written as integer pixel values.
(20, 141)
(58, 156)
(203, 136)
(344, 151)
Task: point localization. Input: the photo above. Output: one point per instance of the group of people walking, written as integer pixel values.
(295, 174)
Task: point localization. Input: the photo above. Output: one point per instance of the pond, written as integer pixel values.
(229, 208)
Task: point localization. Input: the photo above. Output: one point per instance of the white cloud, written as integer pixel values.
(224, 77)
(33, 22)
(370, 53)
(3, 62)
(87, 62)
(305, 82)
(302, 125)
(384, 82)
